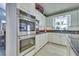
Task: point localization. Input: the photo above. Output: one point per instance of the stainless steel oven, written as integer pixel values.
(26, 45)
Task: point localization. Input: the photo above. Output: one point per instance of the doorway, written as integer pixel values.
(2, 29)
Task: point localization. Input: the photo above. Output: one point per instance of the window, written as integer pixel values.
(62, 22)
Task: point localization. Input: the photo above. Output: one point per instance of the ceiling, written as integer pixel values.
(52, 8)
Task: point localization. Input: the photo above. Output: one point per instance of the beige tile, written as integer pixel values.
(52, 50)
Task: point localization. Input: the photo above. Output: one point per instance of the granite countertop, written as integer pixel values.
(58, 31)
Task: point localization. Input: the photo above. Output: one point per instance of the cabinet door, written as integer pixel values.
(74, 17)
(38, 43)
(41, 40)
(71, 52)
(78, 17)
(57, 38)
(49, 21)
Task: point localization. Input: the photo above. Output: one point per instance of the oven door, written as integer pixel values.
(26, 27)
(26, 45)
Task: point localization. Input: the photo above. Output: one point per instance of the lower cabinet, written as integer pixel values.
(71, 52)
(58, 38)
(41, 40)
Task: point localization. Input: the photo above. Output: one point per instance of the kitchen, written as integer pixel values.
(42, 29)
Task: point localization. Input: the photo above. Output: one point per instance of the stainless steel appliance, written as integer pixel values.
(26, 32)
(26, 45)
(26, 23)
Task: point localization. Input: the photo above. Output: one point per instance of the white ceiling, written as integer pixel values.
(50, 8)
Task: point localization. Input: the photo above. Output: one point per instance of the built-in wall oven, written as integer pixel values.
(26, 32)
(26, 45)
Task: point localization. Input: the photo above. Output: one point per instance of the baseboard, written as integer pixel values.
(40, 49)
(57, 44)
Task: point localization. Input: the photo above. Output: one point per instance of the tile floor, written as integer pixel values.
(52, 50)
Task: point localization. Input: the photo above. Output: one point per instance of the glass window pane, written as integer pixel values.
(61, 22)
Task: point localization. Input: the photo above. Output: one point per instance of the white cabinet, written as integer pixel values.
(41, 40)
(40, 17)
(74, 18)
(73, 21)
(29, 8)
(49, 21)
(72, 53)
(78, 18)
(57, 38)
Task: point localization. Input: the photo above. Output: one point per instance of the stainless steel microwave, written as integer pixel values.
(26, 24)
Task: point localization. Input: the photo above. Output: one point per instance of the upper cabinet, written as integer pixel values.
(78, 18)
(49, 21)
(29, 8)
(74, 18)
(73, 21)
(41, 18)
